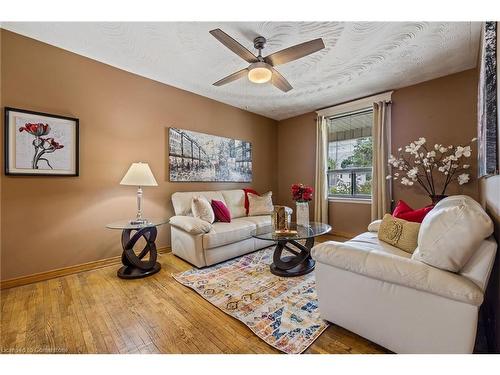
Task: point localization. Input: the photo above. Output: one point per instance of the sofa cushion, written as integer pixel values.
(398, 232)
(221, 212)
(397, 270)
(405, 212)
(190, 224)
(182, 200)
(247, 203)
(263, 223)
(374, 226)
(369, 241)
(226, 233)
(235, 202)
(202, 209)
(452, 232)
(260, 205)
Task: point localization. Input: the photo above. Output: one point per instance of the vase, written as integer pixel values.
(303, 214)
(436, 198)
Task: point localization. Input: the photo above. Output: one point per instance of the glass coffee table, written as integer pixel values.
(300, 262)
(134, 267)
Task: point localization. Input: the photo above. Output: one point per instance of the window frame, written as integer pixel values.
(353, 106)
(352, 173)
(364, 198)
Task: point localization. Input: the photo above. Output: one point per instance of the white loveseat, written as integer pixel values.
(203, 244)
(377, 291)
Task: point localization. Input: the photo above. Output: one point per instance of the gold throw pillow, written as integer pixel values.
(399, 233)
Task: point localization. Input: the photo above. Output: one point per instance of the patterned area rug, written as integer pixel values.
(282, 311)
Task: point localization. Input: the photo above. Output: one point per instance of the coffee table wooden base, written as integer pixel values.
(298, 264)
(302, 269)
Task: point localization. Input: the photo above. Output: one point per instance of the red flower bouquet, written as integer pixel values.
(301, 193)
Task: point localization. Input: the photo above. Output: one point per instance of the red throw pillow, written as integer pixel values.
(221, 212)
(248, 190)
(405, 212)
(401, 208)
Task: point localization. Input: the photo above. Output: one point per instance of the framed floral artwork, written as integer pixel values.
(40, 144)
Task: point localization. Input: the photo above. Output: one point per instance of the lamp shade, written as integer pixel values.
(139, 174)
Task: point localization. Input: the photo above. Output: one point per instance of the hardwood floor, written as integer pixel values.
(96, 312)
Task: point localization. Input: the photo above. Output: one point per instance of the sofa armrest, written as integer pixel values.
(190, 224)
(398, 270)
(374, 226)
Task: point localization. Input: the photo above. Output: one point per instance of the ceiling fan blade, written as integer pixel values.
(234, 46)
(232, 77)
(280, 82)
(296, 52)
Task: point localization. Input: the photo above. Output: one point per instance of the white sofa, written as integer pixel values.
(377, 291)
(203, 244)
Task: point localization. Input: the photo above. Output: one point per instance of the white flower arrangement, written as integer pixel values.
(417, 164)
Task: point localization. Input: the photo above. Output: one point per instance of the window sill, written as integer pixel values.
(350, 200)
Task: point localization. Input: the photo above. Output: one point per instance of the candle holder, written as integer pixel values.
(281, 219)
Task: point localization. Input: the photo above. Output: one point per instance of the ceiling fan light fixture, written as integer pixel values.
(259, 72)
(262, 69)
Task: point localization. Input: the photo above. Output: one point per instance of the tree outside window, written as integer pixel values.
(350, 156)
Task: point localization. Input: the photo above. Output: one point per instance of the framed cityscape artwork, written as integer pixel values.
(40, 144)
(487, 109)
(199, 157)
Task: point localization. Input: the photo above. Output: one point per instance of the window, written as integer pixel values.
(350, 149)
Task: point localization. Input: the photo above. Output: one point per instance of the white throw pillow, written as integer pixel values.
(202, 209)
(260, 205)
(374, 226)
(451, 232)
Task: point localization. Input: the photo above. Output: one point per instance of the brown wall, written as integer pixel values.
(54, 222)
(296, 155)
(442, 110)
(349, 219)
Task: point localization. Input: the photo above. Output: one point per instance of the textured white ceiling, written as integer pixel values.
(360, 58)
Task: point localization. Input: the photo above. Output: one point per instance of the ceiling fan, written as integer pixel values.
(261, 69)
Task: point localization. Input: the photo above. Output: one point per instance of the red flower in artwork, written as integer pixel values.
(53, 144)
(301, 193)
(41, 145)
(36, 129)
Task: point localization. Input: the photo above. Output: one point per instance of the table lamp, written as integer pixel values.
(139, 174)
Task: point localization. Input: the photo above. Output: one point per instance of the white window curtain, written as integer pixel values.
(321, 178)
(381, 194)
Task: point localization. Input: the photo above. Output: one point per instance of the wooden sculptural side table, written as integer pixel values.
(134, 267)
